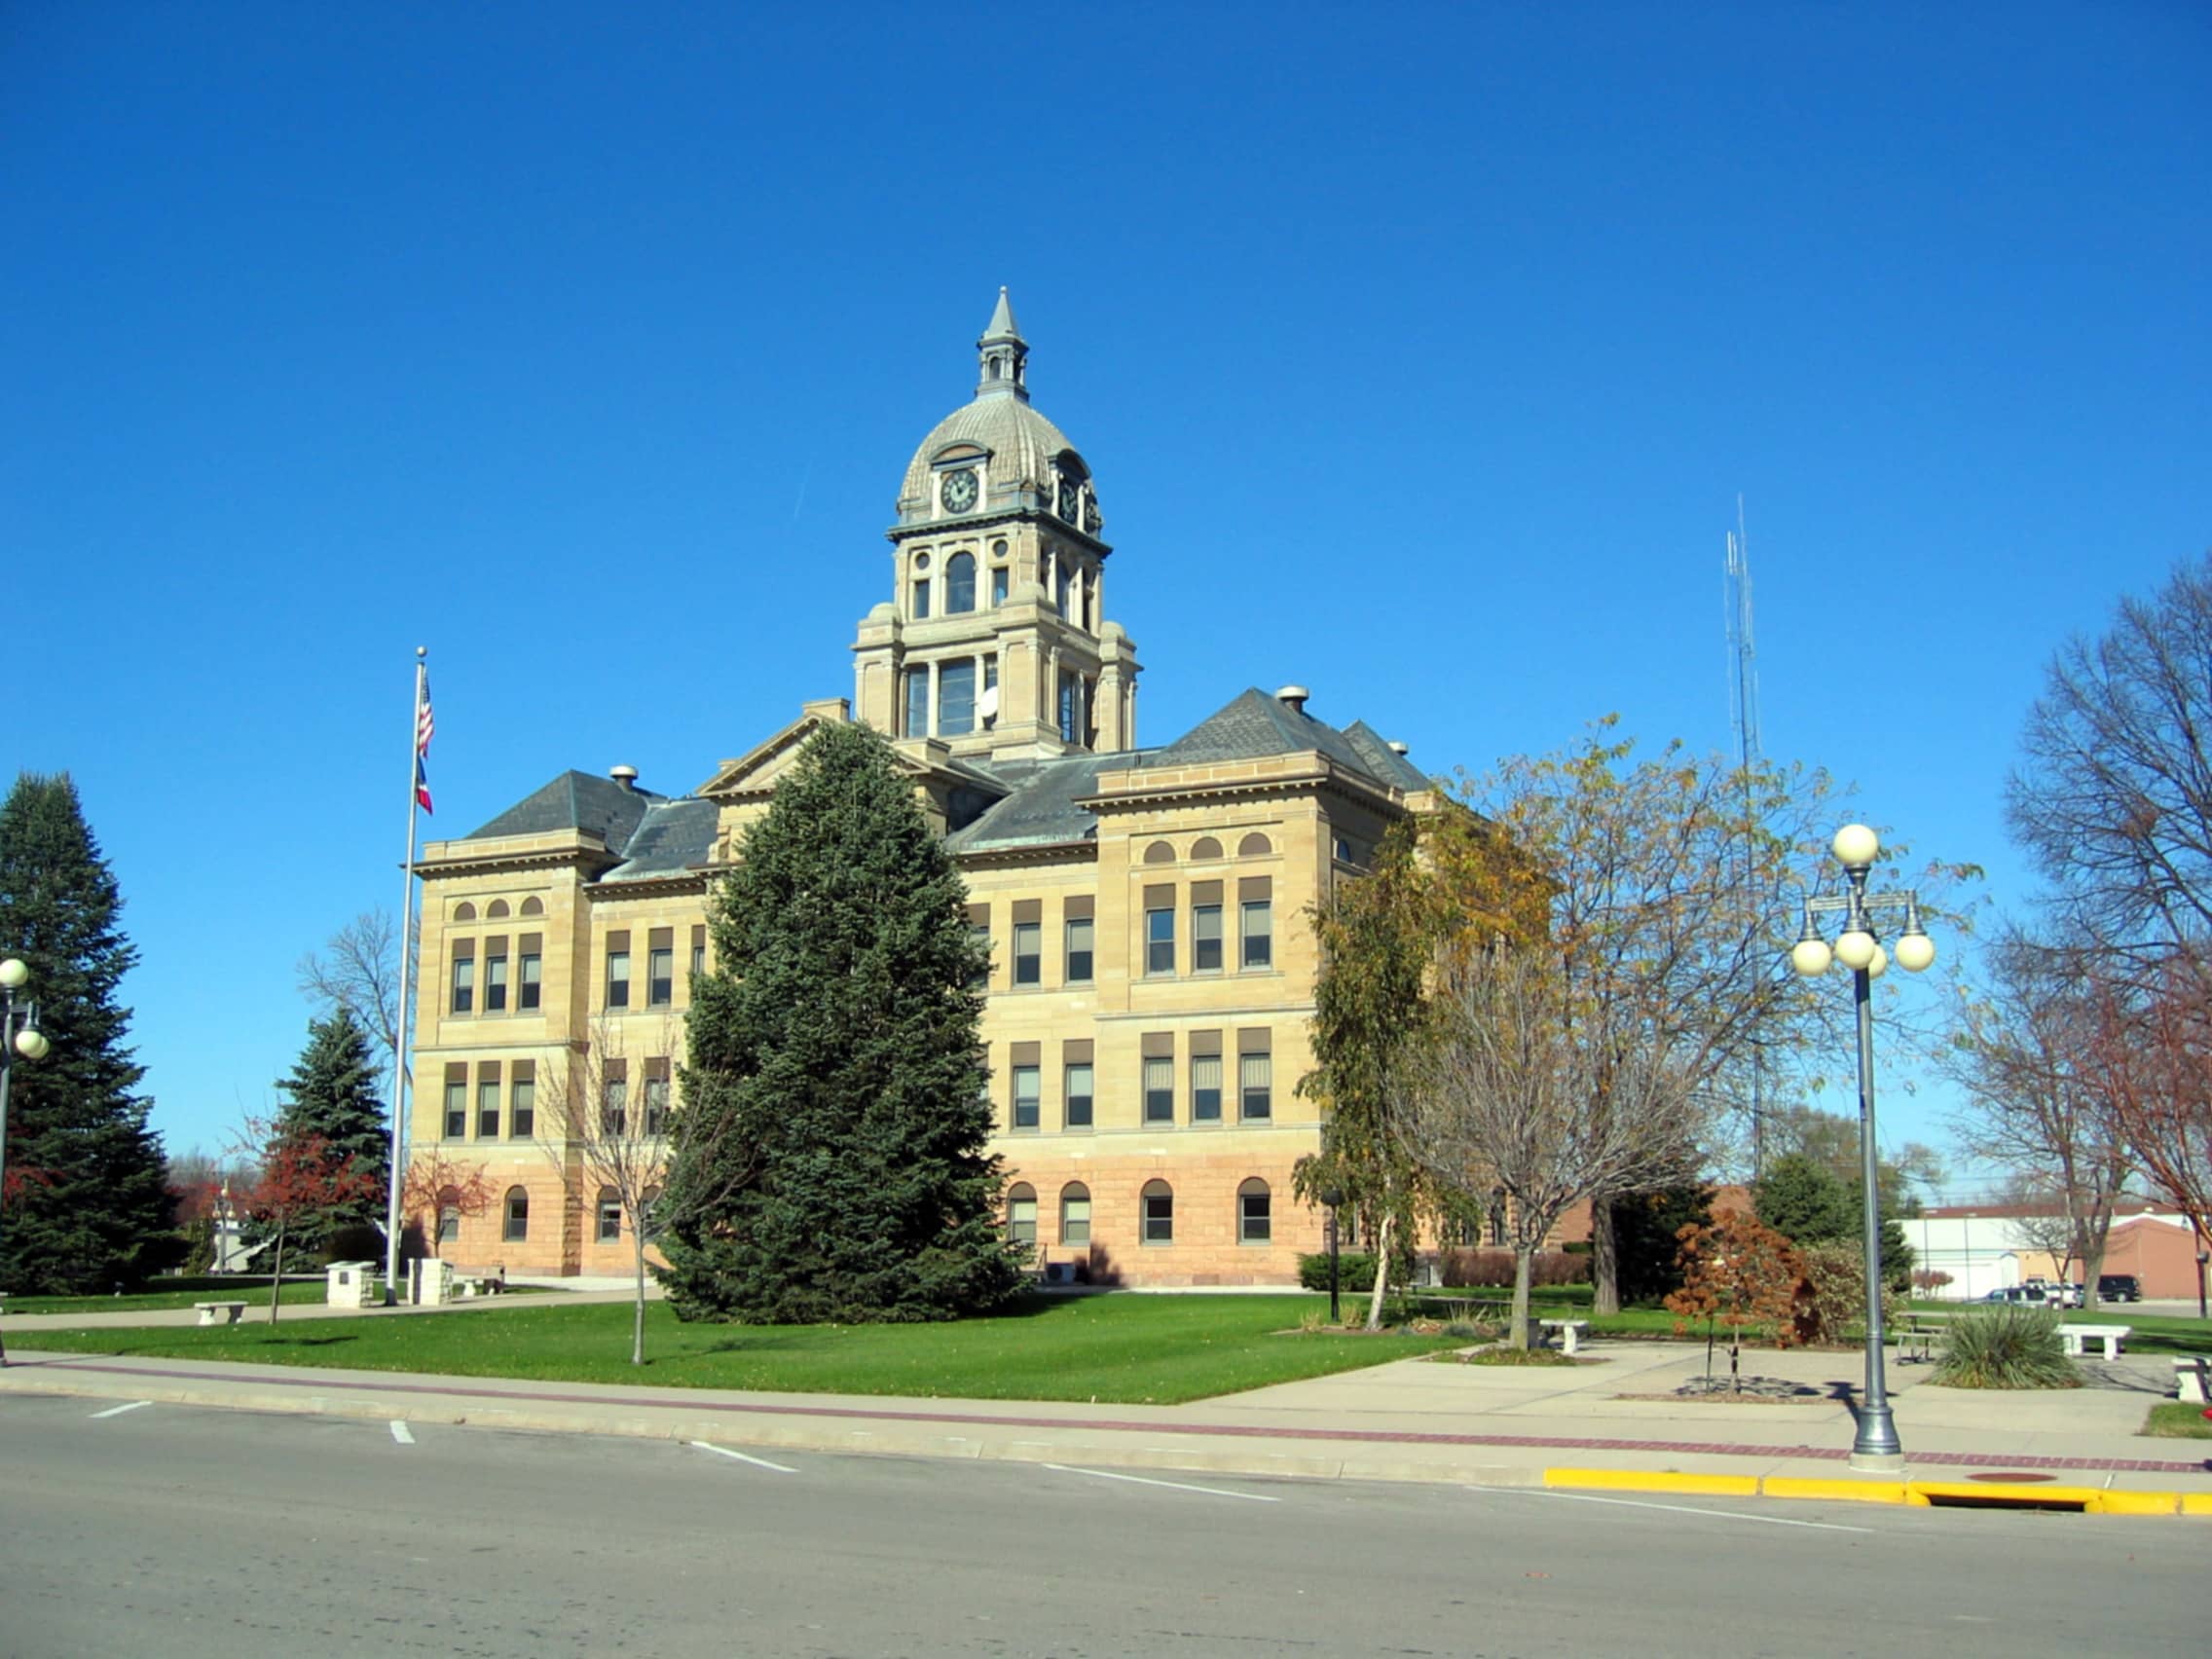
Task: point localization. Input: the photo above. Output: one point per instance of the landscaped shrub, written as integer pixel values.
(2009, 1345)
(1355, 1271)
(1831, 1300)
(1492, 1269)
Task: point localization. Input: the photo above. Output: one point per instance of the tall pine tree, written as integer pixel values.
(332, 1095)
(88, 1205)
(829, 1159)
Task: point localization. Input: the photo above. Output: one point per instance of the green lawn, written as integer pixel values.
(2177, 1420)
(1125, 1349)
(173, 1293)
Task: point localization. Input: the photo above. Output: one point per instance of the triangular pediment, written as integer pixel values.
(752, 776)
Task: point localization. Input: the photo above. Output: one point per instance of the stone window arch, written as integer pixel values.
(1075, 1213)
(534, 906)
(496, 909)
(1159, 852)
(609, 1211)
(1022, 1213)
(1255, 1220)
(464, 912)
(515, 1227)
(1159, 1213)
(1254, 846)
(1205, 847)
(449, 1215)
(959, 583)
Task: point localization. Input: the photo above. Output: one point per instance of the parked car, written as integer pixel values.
(2027, 1295)
(2066, 1295)
(2119, 1287)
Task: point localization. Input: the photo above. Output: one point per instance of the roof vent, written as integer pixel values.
(1400, 748)
(626, 775)
(1293, 698)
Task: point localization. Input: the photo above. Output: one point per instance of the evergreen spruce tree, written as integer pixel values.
(829, 1159)
(332, 1093)
(86, 1206)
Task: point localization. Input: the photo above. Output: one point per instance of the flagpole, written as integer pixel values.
(406, 986)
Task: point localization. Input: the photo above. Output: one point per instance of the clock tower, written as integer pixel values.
(994, 642)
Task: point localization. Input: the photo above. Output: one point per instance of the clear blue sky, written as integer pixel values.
(1420, 353)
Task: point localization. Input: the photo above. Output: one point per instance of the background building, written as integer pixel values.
(1153, 965)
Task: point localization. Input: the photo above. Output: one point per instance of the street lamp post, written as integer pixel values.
(1856, 947)
(18, 1035)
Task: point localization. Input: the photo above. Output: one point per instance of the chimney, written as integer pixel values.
(626, 775)
(1293, 698)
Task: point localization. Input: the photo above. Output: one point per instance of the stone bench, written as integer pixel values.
(229, 1312)
(2108, 1337)
(1570, 1331)
(2193, 1378)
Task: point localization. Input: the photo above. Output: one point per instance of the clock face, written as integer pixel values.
(959, 490)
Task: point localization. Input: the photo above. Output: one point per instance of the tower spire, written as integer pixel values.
(1005, 354)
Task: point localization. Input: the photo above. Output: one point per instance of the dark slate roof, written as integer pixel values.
(1257, 724)
(674, 837)
(574, 800)
(1040, 810)
(1383, 761)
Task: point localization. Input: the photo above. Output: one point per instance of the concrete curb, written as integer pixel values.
(1977, 1494)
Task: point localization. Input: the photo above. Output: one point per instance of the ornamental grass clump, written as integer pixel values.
(2006, 1347)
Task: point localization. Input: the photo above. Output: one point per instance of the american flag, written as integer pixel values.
(425, 727)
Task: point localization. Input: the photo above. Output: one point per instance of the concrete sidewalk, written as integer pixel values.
(1615, 1421)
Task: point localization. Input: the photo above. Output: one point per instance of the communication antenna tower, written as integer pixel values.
(1743, 716)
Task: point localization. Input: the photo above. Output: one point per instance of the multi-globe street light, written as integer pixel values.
(18, 1035)
(1859, 949)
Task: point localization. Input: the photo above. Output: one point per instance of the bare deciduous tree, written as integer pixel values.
(1531, 1091)
(359, 969)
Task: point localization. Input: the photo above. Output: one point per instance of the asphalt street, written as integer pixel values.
(160, 1530)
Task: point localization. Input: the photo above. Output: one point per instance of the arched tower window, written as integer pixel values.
(960, 584)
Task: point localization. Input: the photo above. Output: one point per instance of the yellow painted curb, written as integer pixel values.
(1926, 1492)
(1846, 1492)
(2137, 1504)
(2197, 1503)
(1656, 1480)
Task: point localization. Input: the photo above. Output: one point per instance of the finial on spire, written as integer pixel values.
(1005, 354)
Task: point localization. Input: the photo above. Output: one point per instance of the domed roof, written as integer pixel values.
(1023, 445)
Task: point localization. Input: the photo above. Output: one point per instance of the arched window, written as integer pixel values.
(959, 583)
(1022, 1213)
(517, 1225)
(449, 1214)
(1205, 847)
(1159, 852)
(1075, 1213)
(610, 1214)
(1159, 1213)
(496, 909)
(1254, 1222)
(464, 912)
(534, 906)
(1254, 846)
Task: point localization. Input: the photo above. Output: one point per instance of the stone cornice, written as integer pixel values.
(962, 525)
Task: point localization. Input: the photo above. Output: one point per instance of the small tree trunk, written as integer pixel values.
(1523, 1261)
(277, 1275)
(1381, 1271)
(1604, 1259)
(638, 1319)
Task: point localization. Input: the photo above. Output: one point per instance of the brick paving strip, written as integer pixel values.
(1252, 1431)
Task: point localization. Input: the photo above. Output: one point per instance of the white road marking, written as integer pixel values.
(725, 1452)
(118, 1411)
(1172, 1486)
(1677, 1509)
(402, 1433)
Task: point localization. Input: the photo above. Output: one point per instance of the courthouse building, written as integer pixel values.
(1152, 963)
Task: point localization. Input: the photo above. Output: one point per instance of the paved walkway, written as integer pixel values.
(1616, 1419)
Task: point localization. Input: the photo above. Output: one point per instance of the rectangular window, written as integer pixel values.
(1021, 1220)
(918, 702)
(922, 600)
(1071, 699)
(998, 585)
(609, 1220)
(464, 980)
(1259, 932)
(660, 977)
(988, 708)
(522, 1104)
(530, 971)
(496, 978)
(656, 1098)
(1158, 1217)
(457, 1104)
(1159, 941)
(956, 697)
(516, 1229)
(1257, 1073)
(979, 934)
(1160, 1091)
(1028, 953)
(488, 1104)
(1078, 1084)
(1255, 1224)
(1079, 951)
(1205, 938)
(1027, 1092)
(448, 1225)
(1206, 1088)
(698, 951)
(615, 1107)
(618, 970)
(1075, 1217)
